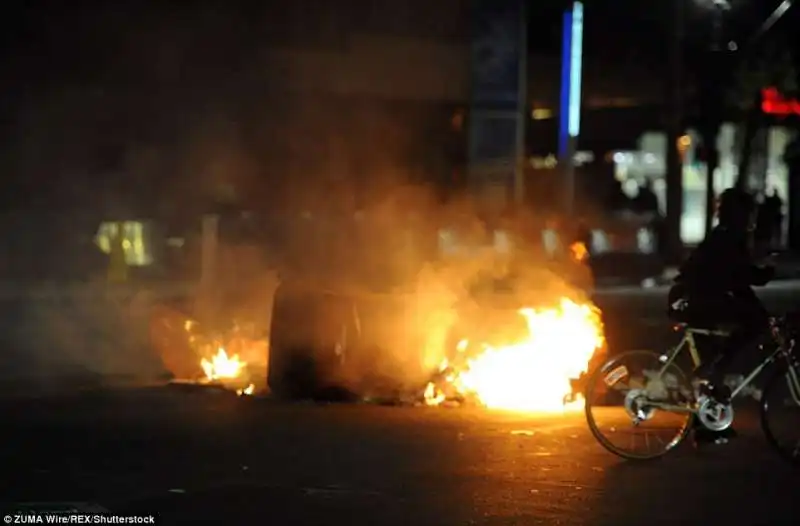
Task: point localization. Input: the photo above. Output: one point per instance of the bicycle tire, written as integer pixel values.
(774, 381)
(598, 374)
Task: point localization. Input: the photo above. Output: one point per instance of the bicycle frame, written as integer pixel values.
(654, 389)
(690, 343)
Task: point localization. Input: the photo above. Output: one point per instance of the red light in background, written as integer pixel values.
(773, 103)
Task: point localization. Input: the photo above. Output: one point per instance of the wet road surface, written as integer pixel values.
(198, 457)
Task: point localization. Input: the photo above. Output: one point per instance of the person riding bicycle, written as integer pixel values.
(714, 287)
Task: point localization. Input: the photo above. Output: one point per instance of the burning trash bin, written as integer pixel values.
(310, 336)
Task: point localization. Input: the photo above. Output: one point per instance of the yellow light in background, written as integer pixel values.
(540, 114)
(548, 162)
(684, 142)
(137, 247)
(134, 243)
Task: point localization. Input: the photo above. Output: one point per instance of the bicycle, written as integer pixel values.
(664, 389)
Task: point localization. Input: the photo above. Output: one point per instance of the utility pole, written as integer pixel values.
(522, 112)
(674, 175)
(792, 159)
(570, 106)
(713, 106)
(748, 132)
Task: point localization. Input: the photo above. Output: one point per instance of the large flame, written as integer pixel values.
(218, 365)
(221, 366)
(224, 368)
(533, 374)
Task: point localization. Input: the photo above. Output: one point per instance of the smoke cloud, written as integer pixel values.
(333, 193)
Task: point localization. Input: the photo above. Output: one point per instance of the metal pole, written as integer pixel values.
(792, 158)
(716, 28)
(674, 175)
(770, 21)
(715, 109)
(569, 176)
(572, 65)
(752, 121)
(522, 111)
(565, 150)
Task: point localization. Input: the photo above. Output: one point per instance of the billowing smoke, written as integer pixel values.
(334, 194)
(386, 286)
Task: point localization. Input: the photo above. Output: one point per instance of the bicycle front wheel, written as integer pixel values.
(780, 414)
(622, 399)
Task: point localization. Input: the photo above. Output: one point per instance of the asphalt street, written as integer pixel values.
(209, 457)
(200, 456)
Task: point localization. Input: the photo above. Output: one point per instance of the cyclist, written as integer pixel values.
(714, 288)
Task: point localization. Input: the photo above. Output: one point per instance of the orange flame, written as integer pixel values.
(533, 374)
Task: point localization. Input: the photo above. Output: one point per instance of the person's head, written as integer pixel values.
(737, 210)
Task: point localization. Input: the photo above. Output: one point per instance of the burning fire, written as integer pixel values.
(222, 368)
(579, 251)
(224, 358)
(530, 375)
(247, 391)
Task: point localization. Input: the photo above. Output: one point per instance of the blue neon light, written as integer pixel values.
(576, 67)
(571, 70)
(566, 71)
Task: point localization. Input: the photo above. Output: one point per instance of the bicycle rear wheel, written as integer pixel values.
(619, 412)
(780, 414)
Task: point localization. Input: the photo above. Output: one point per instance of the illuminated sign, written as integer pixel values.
(576, 65)
(773, 103)
(571, 67)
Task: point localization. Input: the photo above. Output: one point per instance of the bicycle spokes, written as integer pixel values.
(626, 401)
